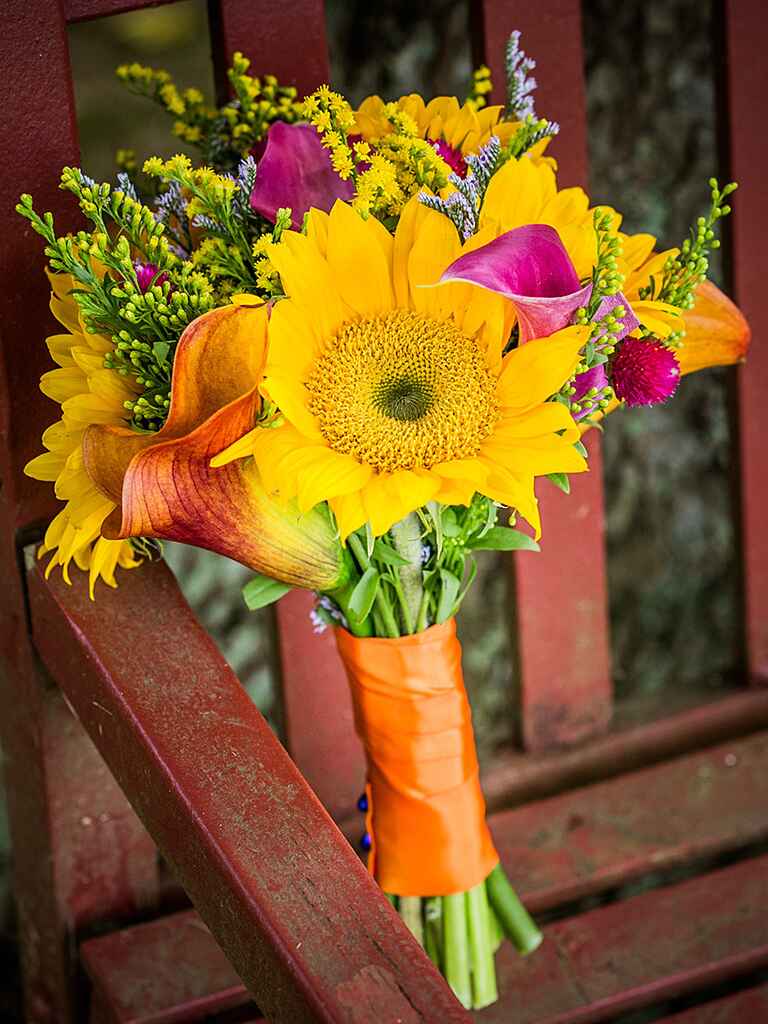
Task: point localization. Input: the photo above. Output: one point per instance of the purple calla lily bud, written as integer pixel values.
(296, 171)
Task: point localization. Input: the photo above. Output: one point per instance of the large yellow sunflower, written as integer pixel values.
(394, 394)
(88, 393)
(455, 129)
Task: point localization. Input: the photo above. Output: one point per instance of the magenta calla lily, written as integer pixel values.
(296, 171)
(530, 266)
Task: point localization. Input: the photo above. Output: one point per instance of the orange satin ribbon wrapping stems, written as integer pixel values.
(426, 809)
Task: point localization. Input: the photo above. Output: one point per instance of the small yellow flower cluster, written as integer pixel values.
(126, 160)
(238, 125)
(260, 102)
(334, 119)
(211, 193)
(400, 164)
(481, 87)
(266, 274)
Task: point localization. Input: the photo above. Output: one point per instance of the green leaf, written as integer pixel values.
(502, 538)
(449, 591)
(435, 514)
(560, 480)
(451, 526)
(161, 350)
(388, 555)
(262, 590)
(581, 449)
(468, 583)
(599, 359)
(364, 594)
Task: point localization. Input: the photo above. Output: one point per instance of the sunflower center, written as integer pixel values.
(403, 398)
(403, 391)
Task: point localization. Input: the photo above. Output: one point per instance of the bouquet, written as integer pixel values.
(341, 348)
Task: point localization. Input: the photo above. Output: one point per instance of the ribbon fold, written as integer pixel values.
(426, 808)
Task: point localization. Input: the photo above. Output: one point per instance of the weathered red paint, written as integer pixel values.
(285, 895)
(85, 10)
(594, 839)
(640, 951)
(556, 851)
(285, 40)
(562, 620)
(749, 1005)
(169, 969)
(515, 778)
(747, 82)
(67, 874)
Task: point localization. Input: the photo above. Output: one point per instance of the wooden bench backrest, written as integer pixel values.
(565, 693)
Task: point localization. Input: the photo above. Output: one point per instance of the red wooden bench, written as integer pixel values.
(165, 752)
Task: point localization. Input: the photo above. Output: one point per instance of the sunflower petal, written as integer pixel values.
(539, 369)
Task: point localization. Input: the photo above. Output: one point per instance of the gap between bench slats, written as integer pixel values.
(747, 1007)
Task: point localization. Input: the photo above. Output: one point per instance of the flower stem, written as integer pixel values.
(494, 925)
(382, 605)
(517, 923)
(406, 538)
(484, 990)
(433, 930)
(410, 911)
(456, 947)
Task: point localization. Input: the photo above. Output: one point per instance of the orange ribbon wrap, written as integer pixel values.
(426, 813)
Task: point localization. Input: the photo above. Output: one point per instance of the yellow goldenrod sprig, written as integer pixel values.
(482, 85)
(223, 134)
(334, 120)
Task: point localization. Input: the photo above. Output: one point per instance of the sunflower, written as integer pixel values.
(455, 130)
(88, 393)
(393, 394)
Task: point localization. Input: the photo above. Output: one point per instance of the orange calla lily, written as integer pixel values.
(716, 332)
(163, 483)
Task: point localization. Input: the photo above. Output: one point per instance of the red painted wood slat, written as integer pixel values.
(290, 904)
(562, 620)
(655, 946)
(516, 778)
(593, 839)
(290, 43)
(167, 970)
(86, 10)
(748, 1005)
(747, 85)
(319, 722)
(287, 41)
(68, 869)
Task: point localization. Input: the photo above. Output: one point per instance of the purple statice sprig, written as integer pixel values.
(462, 207)
(326, 613)
(520, 83)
